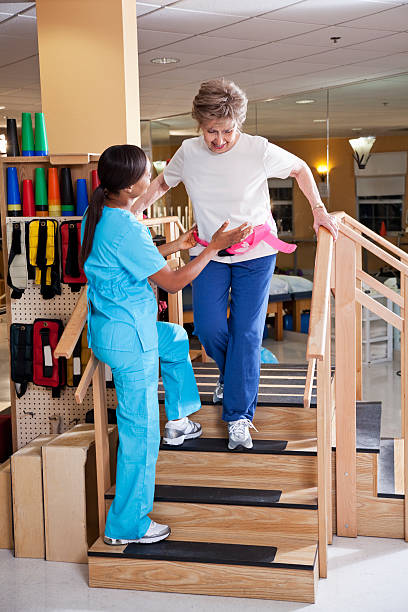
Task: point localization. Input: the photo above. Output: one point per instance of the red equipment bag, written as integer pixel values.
(47, 370)
(72, 271)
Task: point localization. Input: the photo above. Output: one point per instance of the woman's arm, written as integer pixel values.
(154, 192)
(174, 280)
(307, 184)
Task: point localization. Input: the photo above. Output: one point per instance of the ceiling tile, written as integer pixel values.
(213, 44)
(14, 49)
(32, 12)
(348, 36)
(24, 72)
(263, 30)
(12, 8)
(242, 8)
(326, 12)
(20, 27)
(393, 42)
(394, 20)
(150, 39)
(277, 52)
(184, 22)
(143, 9)
(350, 55)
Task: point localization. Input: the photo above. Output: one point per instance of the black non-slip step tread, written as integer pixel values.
(220, 445)
(293, 555)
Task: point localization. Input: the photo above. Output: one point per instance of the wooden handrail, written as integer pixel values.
(73, 329)
(380, 287)
(86, 379)
(307, 397)
(320, 295)
(386, 244)
(373, 248)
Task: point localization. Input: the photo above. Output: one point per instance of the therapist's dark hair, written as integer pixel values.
(119, 167)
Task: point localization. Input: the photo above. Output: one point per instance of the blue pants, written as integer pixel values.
(136, 379)
(234, 343)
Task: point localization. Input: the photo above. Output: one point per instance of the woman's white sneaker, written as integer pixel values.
(218, 394)
(238, 433)
(155, 533)
(175, 432)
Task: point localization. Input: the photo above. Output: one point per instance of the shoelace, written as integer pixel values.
(238, 427)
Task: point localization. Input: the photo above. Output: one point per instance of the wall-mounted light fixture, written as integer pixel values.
(323, 171)
(323, 186)
(361, 149)
(159, 166)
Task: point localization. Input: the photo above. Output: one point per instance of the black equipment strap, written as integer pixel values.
(15, 249)
(72, 264)
(45, 341)
(76, 355)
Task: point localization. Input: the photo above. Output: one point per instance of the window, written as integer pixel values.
(281, 194)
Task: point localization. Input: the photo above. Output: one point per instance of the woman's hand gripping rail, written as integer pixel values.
(174, 280)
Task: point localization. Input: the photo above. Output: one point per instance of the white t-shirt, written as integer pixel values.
(231, 185)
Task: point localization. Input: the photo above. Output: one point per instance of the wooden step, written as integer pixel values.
(253, 516)
(286, 571)
(272, 422)
(271, 464)
(391, 469)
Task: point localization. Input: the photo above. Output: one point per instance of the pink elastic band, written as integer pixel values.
(260, 232)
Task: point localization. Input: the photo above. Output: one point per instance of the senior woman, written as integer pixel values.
(225, 172)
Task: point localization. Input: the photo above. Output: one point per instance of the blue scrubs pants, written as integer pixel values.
(234, 343)
(136, 378)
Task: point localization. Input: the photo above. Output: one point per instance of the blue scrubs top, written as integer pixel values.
(122, 308)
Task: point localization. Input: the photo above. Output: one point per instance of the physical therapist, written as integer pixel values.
(119, 257)
(225, 172)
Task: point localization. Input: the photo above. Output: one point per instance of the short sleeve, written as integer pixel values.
(278, 162)
(138, 254)
(173, 172)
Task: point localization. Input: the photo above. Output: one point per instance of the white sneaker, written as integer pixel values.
(238, 432)
(155, 533)
(218, 394)
(175, 432)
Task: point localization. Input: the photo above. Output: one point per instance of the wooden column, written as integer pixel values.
(328, 413)
(175, 300)
(322, 462)
(89, 73)
(359, 330)
(346, 387)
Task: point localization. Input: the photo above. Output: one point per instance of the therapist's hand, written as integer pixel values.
(223, 239)
(187, 241)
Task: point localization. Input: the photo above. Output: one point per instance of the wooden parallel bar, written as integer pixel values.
(73, 329)
(103, 478)
(359, 328)
(345, 330)
(360, 227)
(309, 383)
(321, 468)
(404, 395)
(86, 379)
(379, 287)
(158, 221)
(379, 309)
(373, 248)
(320, 295)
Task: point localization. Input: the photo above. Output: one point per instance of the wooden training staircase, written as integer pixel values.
(257, 523)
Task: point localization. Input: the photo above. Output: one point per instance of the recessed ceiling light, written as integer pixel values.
(305, 101)
(165, 60)
(2, 107)
(270, 99)
(356, 129)
(319, 120)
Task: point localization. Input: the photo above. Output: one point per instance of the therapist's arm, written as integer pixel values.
(154, 192)
(183, 243)
(174, 280)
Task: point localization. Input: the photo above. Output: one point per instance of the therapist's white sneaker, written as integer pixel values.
(218, 394)
(238, 433)
(155, 533)
(175, 432)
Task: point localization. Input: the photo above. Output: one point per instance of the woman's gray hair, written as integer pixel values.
(220, 99)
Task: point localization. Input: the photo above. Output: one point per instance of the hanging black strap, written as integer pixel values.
(41, 258)
(20, 362)
(72, 263)
(45, 341)
(30, 268)
(15, 249)
(76, 358)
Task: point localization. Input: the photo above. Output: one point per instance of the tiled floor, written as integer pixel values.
(365, 574)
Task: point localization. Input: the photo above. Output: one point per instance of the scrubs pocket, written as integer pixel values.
(113, 335)
(147, 335)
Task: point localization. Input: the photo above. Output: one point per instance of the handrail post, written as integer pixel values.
(404, 393)
(322, 461)
(329, 416)
(345, 326)
(175, 300)
(103, 478)
(359, 330)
